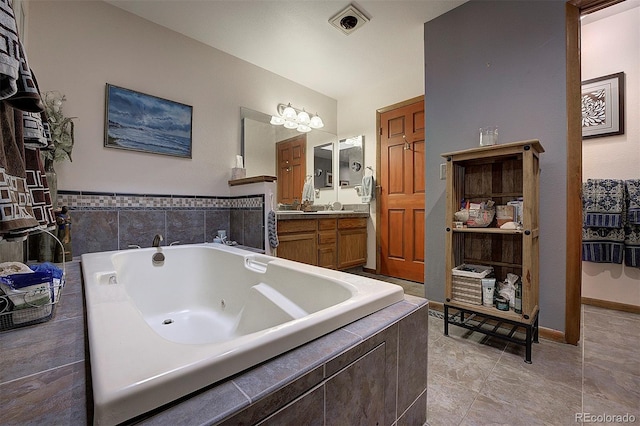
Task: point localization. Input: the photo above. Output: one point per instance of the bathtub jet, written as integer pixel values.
(212, 311)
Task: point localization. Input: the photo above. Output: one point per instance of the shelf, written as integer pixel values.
(501, 172)
(508, 315)
(488, 231)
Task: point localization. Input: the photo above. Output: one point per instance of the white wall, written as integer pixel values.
(611, 45)
(78, 46)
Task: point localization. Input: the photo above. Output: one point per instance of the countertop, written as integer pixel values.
(296, 214)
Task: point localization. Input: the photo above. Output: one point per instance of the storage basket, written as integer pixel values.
(467, 282)
(33, 304)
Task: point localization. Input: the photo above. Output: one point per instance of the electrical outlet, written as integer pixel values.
(443, 171)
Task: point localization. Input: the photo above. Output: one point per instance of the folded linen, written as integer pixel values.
(632, 187)
(632, 246)
(603, 201)
(602, 245)
(27, 290)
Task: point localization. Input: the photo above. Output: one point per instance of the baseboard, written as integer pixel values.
(543, 332)
(368, 270)
(607, 304)
(551, 334)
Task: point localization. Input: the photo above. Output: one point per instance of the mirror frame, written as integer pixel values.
(352, 175)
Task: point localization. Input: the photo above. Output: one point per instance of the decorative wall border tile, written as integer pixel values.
(90, 200)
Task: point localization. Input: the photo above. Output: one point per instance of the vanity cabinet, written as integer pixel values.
(297, 240)
(330, 242)
(327, 243)
(352, 242)
(501, 173)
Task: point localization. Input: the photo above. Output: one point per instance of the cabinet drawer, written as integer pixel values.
(327, 237)
(296, 225)
(352, 222)
(327, 224)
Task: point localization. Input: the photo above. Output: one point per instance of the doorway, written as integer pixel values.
(401, 179)
(292, 168)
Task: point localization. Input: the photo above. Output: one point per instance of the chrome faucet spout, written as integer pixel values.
(156, 240)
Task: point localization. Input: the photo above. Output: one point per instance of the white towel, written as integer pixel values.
(307, 191)
(367, 189)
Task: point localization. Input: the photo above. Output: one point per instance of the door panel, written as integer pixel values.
(292, 168)
(402, 192)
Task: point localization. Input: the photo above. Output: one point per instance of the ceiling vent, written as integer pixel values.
(349, 20)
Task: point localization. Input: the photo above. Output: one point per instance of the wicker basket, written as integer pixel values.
(467, 283)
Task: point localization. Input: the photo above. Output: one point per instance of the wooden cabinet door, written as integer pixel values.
(298, 247)
(352, 242)
(292, 167)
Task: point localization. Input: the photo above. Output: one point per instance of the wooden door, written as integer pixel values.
(402, 192)
(292, 167)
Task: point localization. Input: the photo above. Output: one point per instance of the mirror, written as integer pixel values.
(323, 166)
(259, 137)
(351, 161)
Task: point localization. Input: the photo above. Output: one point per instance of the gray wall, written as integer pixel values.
(499, 63)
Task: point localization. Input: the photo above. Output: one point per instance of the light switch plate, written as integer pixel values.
(443, 171)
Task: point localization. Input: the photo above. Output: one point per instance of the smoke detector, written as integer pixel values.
(349, 20)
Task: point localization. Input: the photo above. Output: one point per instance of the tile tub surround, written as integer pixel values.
(376, 365)
(112, 221)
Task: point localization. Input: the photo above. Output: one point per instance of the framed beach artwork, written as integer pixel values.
(603, 106)
(138, 122)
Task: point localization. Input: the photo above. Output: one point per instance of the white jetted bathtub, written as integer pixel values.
(161, 330)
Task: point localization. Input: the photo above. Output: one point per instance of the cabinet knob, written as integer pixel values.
(527, 232)
(527, 147)
(525, 316)
(448, 158)
(448, 229)
(448, 300)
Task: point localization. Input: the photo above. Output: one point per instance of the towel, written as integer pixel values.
(632, 188)
(603, 234)
(272, 229)
(603, 201)
(9, 58)
(632, 226)
(368, 184)
(16, 205)
(307, 191)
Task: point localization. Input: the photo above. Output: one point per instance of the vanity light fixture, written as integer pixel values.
(293, 118)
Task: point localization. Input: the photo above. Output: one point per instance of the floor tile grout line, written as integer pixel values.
(41, 372)
(484, 382)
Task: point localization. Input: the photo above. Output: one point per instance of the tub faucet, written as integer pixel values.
(158, 257)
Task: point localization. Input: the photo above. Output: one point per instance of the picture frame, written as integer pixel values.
(602, 102)
(136, 121)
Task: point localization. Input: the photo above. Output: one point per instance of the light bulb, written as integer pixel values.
(277, 121)
(289, 114)
(303, 118)
(290, 124)
(303, 128)
(316, 122)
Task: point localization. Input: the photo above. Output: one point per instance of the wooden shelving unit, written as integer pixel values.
(501, 173)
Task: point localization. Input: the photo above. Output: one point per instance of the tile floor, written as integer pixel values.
(476, 380)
